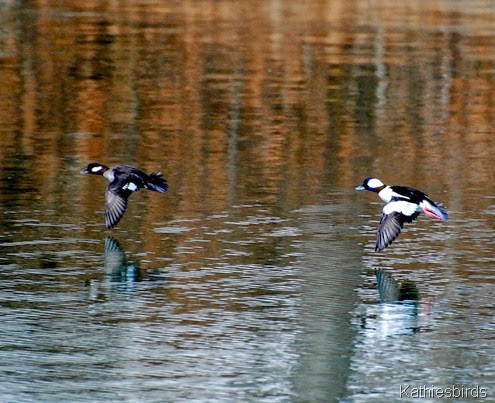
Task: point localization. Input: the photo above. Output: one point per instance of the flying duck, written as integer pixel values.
(124, 180)
(403, 204)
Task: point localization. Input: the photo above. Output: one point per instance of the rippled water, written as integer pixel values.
(254, 278)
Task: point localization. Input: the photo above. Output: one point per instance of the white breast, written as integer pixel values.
(386, 194)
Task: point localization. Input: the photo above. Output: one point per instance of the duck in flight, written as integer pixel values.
(124, 180)
(403, 204)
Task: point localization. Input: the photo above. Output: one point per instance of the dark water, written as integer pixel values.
(254, 278)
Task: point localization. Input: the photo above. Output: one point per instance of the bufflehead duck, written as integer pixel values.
(124, 180)
(403, 204)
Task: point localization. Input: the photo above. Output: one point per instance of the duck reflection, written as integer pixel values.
(120, 274)
(391, 291)
(396, 314)
(116, 264)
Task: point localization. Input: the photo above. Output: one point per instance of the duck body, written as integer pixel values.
(124, 180)
(403, 204)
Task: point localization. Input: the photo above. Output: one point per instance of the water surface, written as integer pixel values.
(254, 278)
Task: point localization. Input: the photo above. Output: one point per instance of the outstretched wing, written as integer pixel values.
(395, 214)
(116, 198)
(389, 229)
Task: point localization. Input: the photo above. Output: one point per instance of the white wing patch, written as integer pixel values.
(394, 194)
(400, 206)
(386, 194)
(131, 186)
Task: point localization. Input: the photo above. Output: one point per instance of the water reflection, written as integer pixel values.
(329, 260)
(255, 280)
(392, 291)
(120, 273)
(116, 264)
(399, 310)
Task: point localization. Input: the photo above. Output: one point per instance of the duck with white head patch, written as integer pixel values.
(403, 204)
(124, 180)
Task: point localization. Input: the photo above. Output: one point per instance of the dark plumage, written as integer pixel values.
(390, 228)
(124, 180)
(411, 194)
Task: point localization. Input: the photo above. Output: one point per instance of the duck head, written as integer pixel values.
(371, 184)
(94, 168)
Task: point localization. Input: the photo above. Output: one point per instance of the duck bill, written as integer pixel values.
(360, 187)
(85, 171)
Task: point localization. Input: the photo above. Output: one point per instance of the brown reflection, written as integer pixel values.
(258, 101)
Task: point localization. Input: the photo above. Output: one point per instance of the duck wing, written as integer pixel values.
(394, 215)
(389, 229)
(116, 198)
(411, 194)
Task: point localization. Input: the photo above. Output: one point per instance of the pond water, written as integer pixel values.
(254, 278)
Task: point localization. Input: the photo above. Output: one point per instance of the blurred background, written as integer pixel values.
(254, 278)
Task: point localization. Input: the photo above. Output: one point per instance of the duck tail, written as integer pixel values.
(435, 210)
(157, 182)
